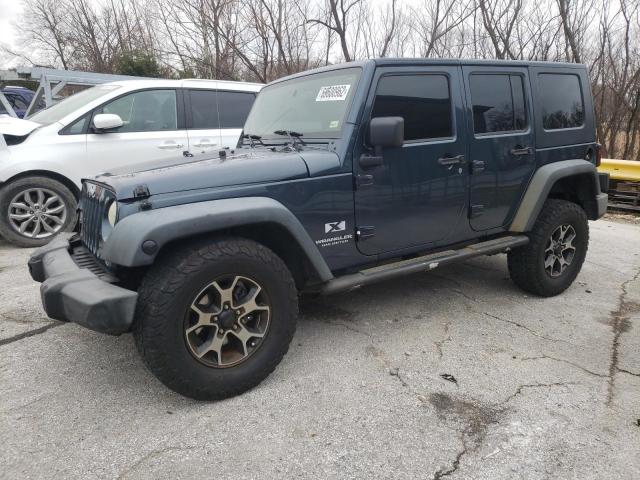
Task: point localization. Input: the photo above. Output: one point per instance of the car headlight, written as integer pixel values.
(112, 214)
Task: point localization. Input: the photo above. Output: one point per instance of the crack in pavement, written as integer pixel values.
(454, 466)
(524, 327)
(30, 333)
(459, 289)
(536, 385)
(619, 321)
(622, 370)
(476, 419)
(586, 370)
(150, 455)
(445, 338)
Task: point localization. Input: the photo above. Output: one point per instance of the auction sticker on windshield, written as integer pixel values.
(333, 93)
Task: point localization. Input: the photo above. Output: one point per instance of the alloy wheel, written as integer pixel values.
(37, 213)
(227, 321)
(560, 250)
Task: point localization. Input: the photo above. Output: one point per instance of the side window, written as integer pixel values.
(204, 109)
(498, 103)
(234, 108)
(145, 111)
(76, 127)
(16, 102)
(562, 105)
(423, 101)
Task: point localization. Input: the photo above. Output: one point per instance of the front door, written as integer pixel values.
(501, 153)
(417, 196)
(150, 132)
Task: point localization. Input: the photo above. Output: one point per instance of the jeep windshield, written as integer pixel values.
(313, 106)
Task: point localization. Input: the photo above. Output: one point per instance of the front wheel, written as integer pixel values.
(214, 319)
(35, 209)
(551, 261)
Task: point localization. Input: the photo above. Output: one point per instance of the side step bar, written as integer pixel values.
(421, 264)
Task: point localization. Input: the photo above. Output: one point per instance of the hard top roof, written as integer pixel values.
(380, 62)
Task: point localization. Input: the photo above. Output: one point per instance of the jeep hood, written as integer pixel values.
(16, 127)
(246, 166)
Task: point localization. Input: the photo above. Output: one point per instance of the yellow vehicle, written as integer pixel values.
(624, 183)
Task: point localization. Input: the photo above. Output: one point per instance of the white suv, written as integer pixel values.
(120, 126)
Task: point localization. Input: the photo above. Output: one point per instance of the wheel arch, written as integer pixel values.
(260, 219)
(572, 180)
(66, 181)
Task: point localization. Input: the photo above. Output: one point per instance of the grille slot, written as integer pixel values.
(94, 202)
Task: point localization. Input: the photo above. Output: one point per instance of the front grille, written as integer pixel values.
(94, 203)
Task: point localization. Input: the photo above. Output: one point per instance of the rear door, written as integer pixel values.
(153, 130)
(501, 153)
(203, 123)
(417, 195)
(233, 109)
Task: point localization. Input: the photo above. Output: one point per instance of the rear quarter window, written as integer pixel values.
(561, 100)
(234, 108)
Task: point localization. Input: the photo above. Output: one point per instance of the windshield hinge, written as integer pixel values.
(141, 191)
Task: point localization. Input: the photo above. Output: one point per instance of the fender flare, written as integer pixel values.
(163, 225)
(540, 186)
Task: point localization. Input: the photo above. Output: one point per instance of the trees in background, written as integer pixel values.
(261, 40)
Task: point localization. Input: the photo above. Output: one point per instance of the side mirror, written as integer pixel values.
(386, 132)
(107, 121)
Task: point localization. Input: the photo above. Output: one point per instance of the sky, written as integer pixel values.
(9, 12)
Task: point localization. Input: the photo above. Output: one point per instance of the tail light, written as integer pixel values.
(598, 154)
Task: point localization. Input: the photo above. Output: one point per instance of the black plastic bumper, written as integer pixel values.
(73, 294)
(602, 198)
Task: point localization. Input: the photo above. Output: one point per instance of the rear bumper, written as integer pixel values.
(602, 198)
(74, 294)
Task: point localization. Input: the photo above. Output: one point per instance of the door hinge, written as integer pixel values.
(476, 210)
(365, 232)
(363, 181)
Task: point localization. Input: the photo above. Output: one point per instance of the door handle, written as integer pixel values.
(450, 161)
(204, 144)
(170, 146)
(521, 151)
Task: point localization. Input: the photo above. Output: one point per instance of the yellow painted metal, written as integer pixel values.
(621, 169)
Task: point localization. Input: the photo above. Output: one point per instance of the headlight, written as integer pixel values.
(112, 214)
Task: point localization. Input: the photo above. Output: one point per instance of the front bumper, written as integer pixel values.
(74, 294)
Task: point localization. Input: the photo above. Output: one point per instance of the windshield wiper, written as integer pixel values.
(253, 138)
(294, 137)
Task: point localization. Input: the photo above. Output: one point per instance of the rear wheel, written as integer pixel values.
(214, 319)
(35, 209)
(551, 261)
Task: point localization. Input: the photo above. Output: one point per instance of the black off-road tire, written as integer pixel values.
(165, 297)
(526, 264)
(9, 191)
